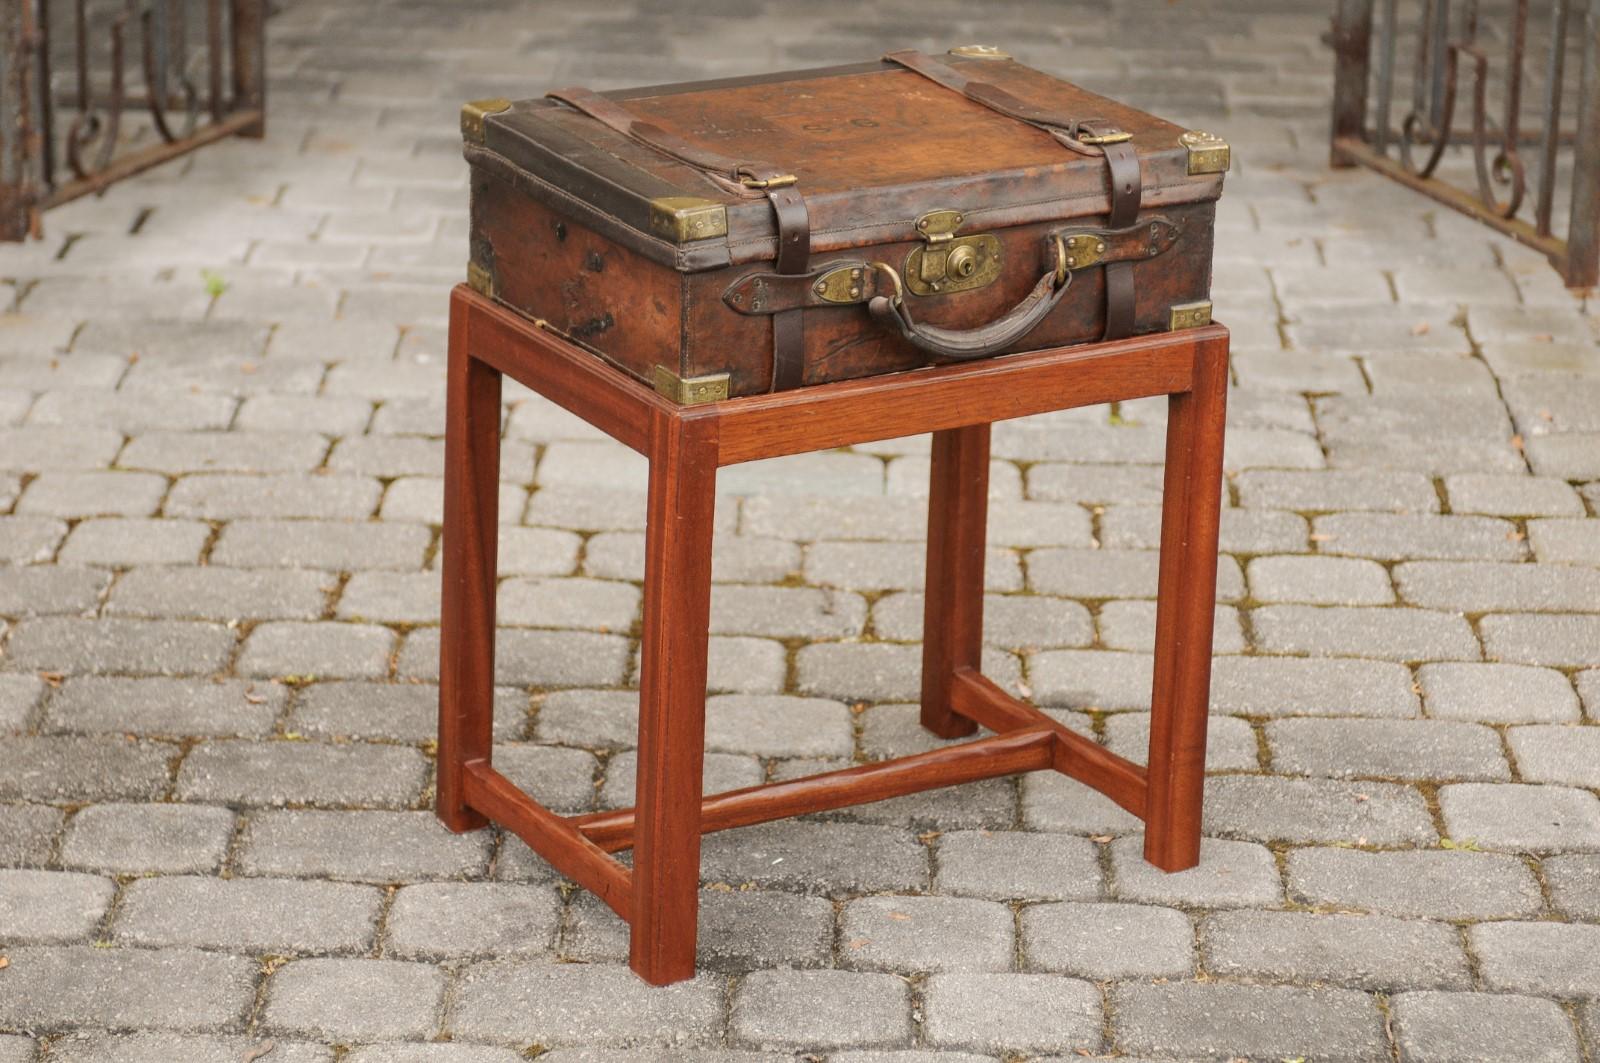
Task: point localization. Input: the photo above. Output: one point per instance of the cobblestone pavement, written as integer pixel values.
(219, 514)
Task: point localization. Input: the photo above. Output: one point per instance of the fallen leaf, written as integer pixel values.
(859, 943)
(262, 1049)
(1102, 838)
(4, 962)
(1024, 689)
(1547, 415)
(1517, 442)
(52, 679)
(1515, 536)
(900, 917)
(1320, 537)
(1543, 337)
(253, 698)
(1363, 797)
(1421, 328)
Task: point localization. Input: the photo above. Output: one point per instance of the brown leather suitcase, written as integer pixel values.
(732, 237)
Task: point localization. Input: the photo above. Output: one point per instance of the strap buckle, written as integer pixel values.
(1115, 136)
(780, 181)
(899, 286)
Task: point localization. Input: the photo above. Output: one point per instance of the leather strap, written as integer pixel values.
(1122, 165)
(743, 178)
(961, 344)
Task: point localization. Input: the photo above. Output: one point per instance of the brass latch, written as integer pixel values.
(947, 262)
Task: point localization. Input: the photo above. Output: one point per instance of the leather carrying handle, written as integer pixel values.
(961, 344)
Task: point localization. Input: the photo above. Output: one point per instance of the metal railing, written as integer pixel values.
(92, 91)
(1532, 174)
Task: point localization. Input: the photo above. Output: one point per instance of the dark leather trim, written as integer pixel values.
(959, 344)
(772, 293)
(1127, 192)
(794, 254)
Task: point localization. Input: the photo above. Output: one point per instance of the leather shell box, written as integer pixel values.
(669, 275)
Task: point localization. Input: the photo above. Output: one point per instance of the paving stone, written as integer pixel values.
(1243, 531)
(1002, 865)
(821, 1009)
(1108, 942)
(133, 412)
(779, 726)
(148, 839)
(1403, 749)
(531, 658)
(1281, 686)
(816, 858)
(1012, 1012)
(434, 1052)
(739, 931)
(1439, 884)
(251, 774)
(62, 768)
(1138, 485)
(362, 999)
(1568, 456)
(569, 602)
(41, 448)
(1132, 626)
(877, 671)
(225, 496)
(1574, 541)
(52, 907)
(397, 712)
(734, 558)
(24, 540)
(1089, 679)
(1231, 874)
(892, 566)
(54, 988)
(161, 706)
(1409, 537)
(16, 1049)
(213, 593)
(123, 542)
(1497, 693)
(150, 647)
(1336, 490)
(1113, 574)
(1339, 631)
(1574, 882)
(334, 415)
(1557, 754)
(1011, 621)
(786, 612)
(93, 494)
(1477, 587)
(360, 846)
(442, 920)
(1435, 1027)
(1214, 1019)
(321, 650)
(1521, 817)
(562, 779)
(176, 453)
(178, 1048)
(1054, 802)
(518, 1002)
(19, 696)
(332, 545)
(1561, 641)
(391, 597)
(1230, 743)
(722, 772)
(1512, 496)
(1546, 959)
(926, 934)
(537, 552)
(253, 915)
(1269, 808)
(1358, 951)
(591, 718)
(1319, 581)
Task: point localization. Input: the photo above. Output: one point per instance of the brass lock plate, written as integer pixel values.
(958, 264)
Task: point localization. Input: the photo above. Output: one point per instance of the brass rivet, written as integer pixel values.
(855, 293)
(1100, 247)
(822, 286)
(1071, 261)
(855, 274)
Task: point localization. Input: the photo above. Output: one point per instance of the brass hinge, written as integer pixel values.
(473, 114)
(684, 218)
(1189, 315)
(979, 51)
(1208, 153)
(693, 390)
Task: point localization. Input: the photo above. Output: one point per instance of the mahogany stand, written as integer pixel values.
(686, 445)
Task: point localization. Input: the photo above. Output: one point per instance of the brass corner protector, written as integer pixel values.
(691, 391)
(1189, 315)
(685, 218)
(979, 51)
(473, 114)
(480, 280)
(1208, 153)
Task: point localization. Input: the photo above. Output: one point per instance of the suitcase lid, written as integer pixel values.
(874, 147)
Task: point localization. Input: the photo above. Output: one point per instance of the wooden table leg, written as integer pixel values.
(952, 617)
(672, 692)
(471, 538)
(1185, 609)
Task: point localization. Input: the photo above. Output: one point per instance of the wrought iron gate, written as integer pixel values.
(92, 91)
(1455, 51)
